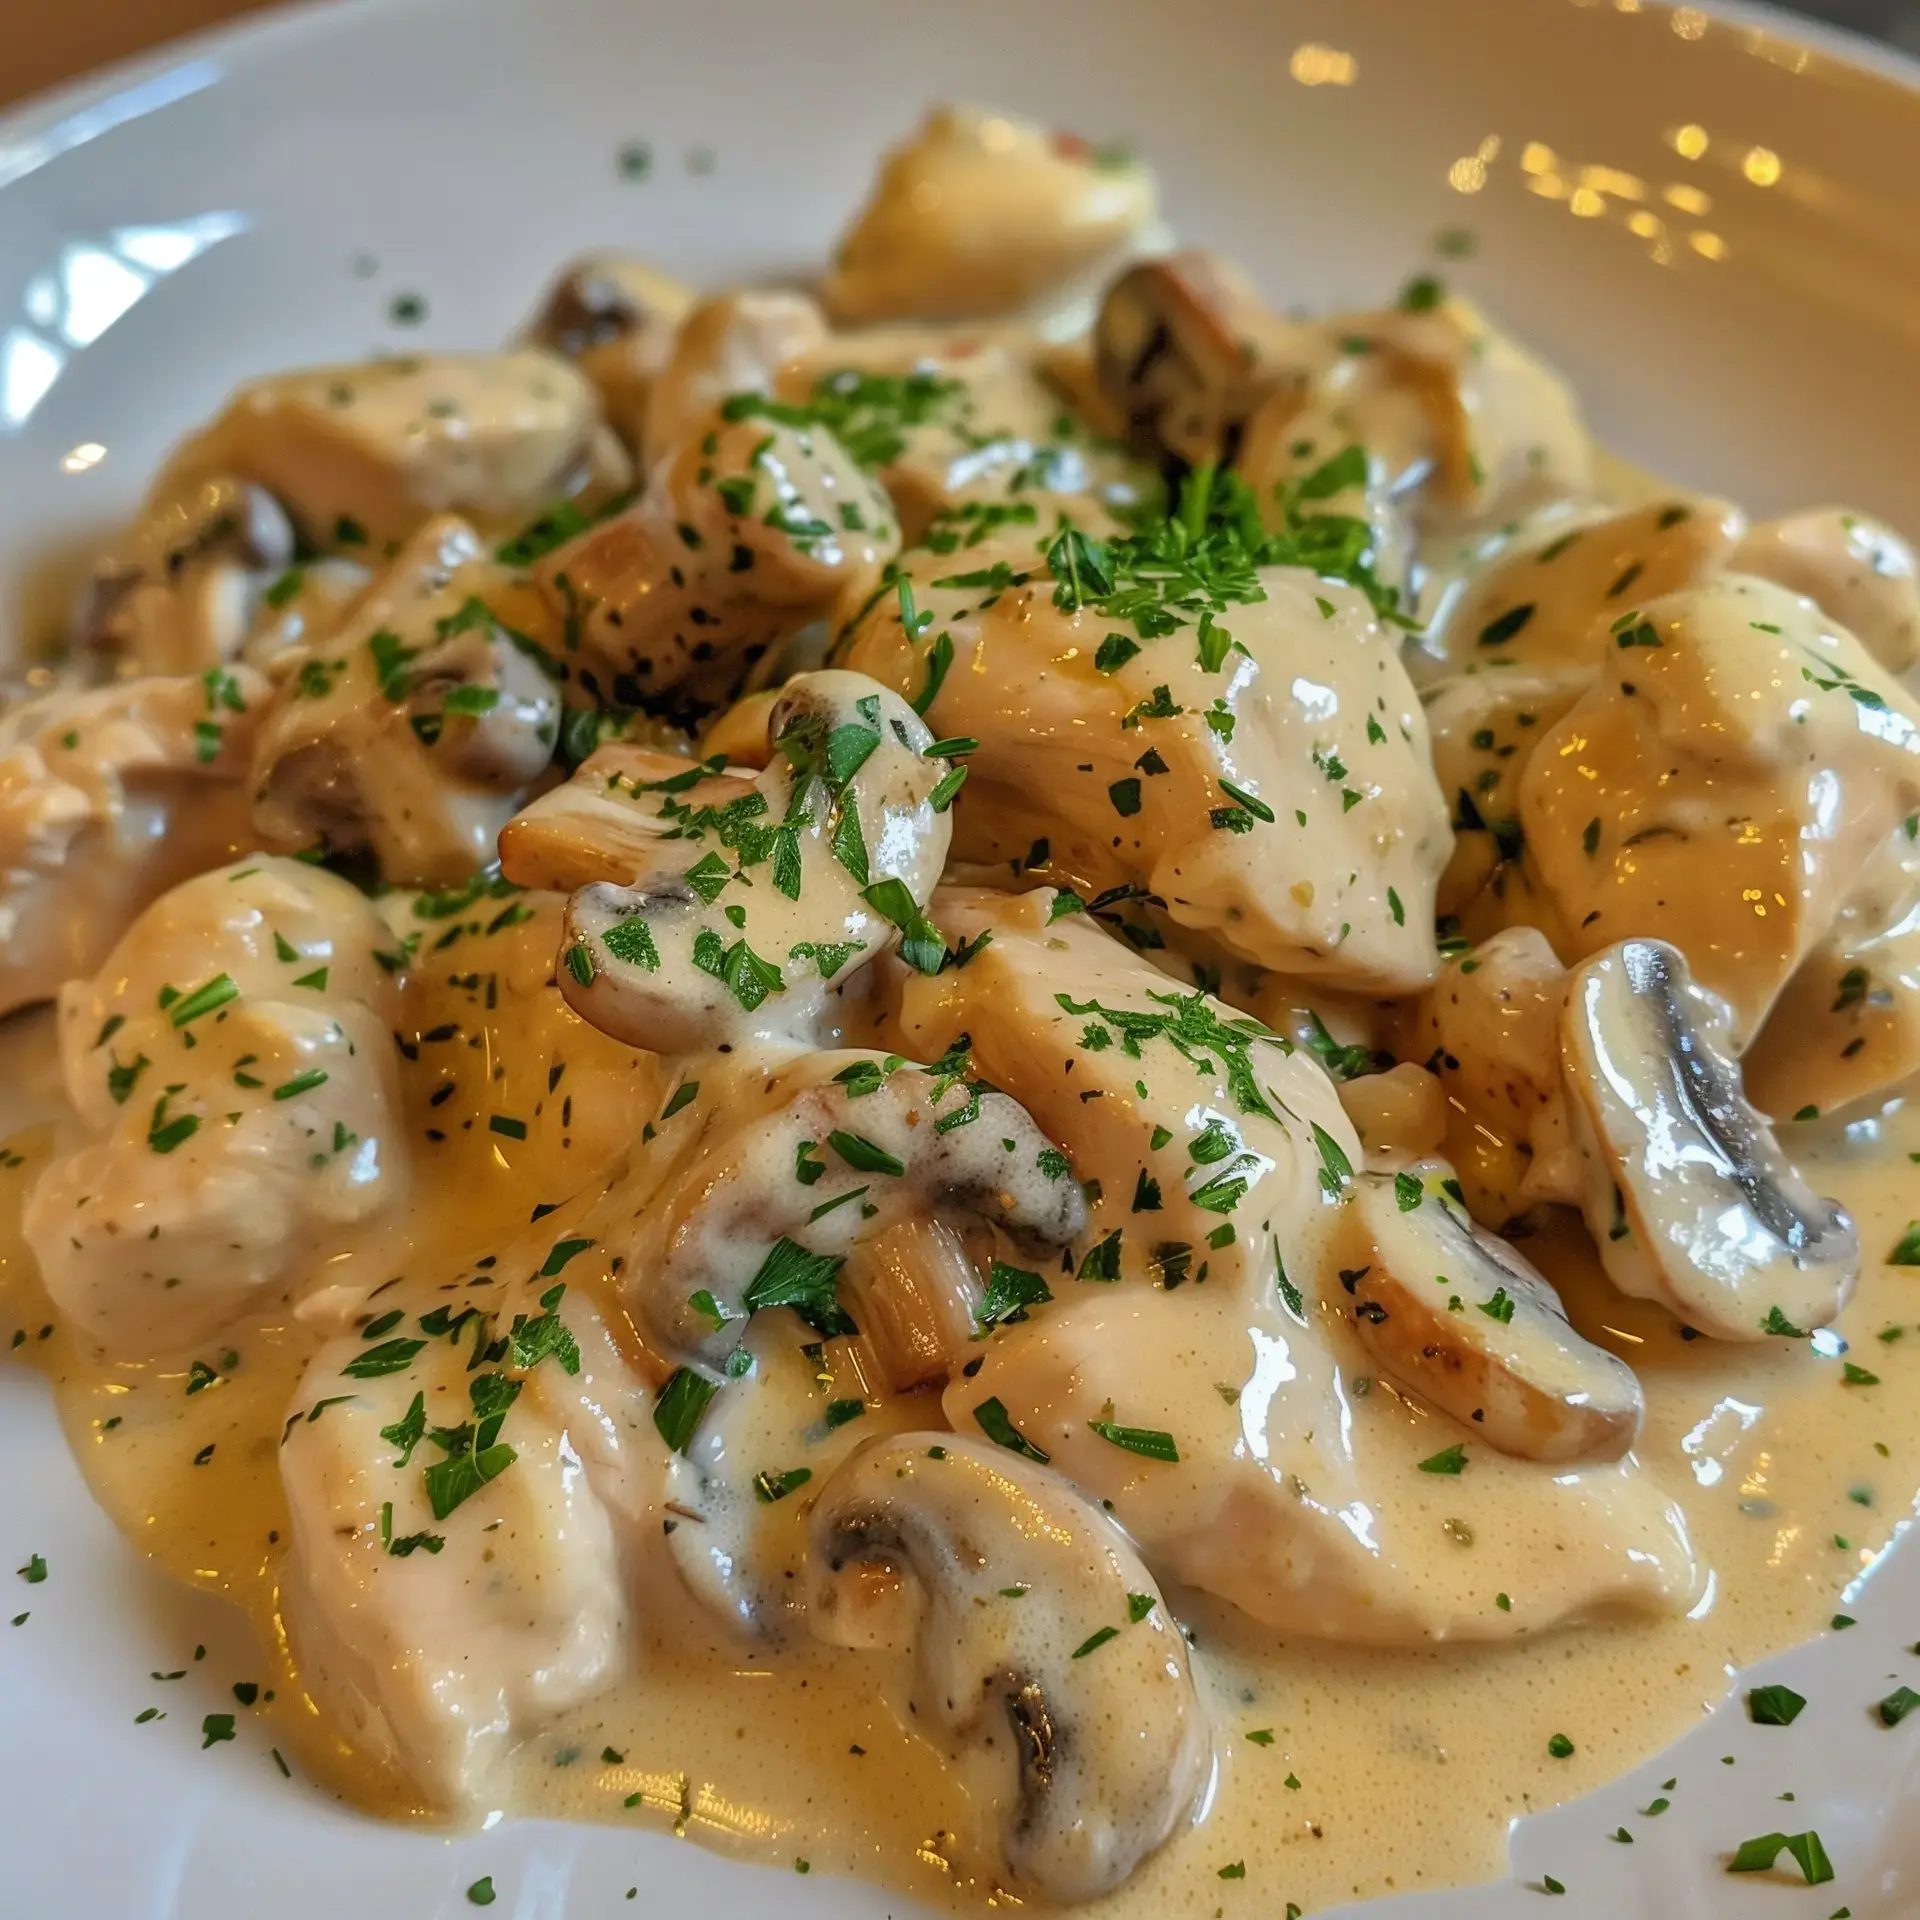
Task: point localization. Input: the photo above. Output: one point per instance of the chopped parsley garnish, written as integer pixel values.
(1758, 1855)
(1451, 1460)
(1774, 1706)
(1150, 1442)
(681, 1404)
(1010, 1292)
(999, 1428)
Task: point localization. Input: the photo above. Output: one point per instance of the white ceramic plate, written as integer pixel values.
(1712, 227)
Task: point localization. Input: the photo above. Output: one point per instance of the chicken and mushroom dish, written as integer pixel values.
(1003, 1072)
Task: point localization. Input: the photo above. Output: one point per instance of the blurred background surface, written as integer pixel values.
(47, 41)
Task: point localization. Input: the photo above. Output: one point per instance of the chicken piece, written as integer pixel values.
(1420, 426)
(834, 851)
(1202, 1373)
(411, 732)
(1723, 786)
(107, 798)
(979, 215)
(362, 456)
(616, 318)
(745, 342)
(1855, 569)
(966, 431)
(997, 1572)
(1522, 638)
(180, 594)
(746, 532)
(1846, 1027)
(232, 1068)
(455, 1578)
(1267, 785)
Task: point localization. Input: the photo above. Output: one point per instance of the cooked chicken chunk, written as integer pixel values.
(747, 531)
(361, 456)
(232, 1068)
(978, 215)
(455, 1578)
(1857, 570)
(1724, 786)
(107, 798)
(1262, 777)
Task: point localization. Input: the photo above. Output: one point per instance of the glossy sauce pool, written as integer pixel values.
(1385, 1771)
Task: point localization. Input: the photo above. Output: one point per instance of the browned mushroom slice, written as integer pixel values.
(408, 733)
(1178, 348)
(767, 907)
(1687, 1192)
(1004, 1577)
(613, 820)
(1459, 1318)
(616, 318)
(861, 1145)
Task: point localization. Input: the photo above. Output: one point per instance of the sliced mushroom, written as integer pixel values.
(408, 733)
(232, 1068)
(752, 1223)
(1687, 1193)
(180, 595)
(1856, 569)
(978, 215)
(737, 343)
(617, 319)
(1042, 1642)
(362, 455)
(108, 797)
(793, 888)
(1459, 1318)
(615, 819)
(747, 531)
(1185, 350)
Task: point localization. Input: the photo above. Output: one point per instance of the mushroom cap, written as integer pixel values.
(409, 731)
(1184, 351)
(1003, 1571)
(1461, 1319)
(915, 1146)
(775, 902)
(1690, 1198)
